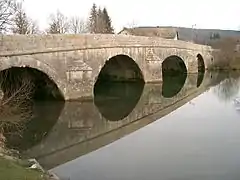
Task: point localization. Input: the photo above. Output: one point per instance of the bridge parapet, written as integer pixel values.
(29, 44)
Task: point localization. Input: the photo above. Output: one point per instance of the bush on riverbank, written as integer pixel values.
(14, 112)
(227, 56)
(14, 109)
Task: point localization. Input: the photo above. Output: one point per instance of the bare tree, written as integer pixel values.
(7, 10)
(15, 108)
(58, 24)
(20, 20)
(77, 25)
(131, 24)
(33, 27)
(22, 24)
(227, 56)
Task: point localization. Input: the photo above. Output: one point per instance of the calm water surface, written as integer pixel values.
(138, 132)
(200, 140)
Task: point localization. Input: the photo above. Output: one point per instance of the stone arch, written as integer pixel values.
(174, 64)
(200, 63)
(201, 69)
(33, 63)
(38, 68)
(121, 67)
(119, 85)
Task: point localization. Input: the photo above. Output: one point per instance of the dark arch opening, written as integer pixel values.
(22, 118)
(39, 86)
(120, 68)
(201, 65)
(201, 69)
(118, 88)
(174, 74)
(173, 65)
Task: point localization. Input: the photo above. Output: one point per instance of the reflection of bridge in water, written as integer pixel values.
(81, 128)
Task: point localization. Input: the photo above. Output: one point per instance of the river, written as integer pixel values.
(184, 128)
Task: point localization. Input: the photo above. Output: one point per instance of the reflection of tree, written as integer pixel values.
(236, 103)
(23, 121)
(14, 110)
(227, 89)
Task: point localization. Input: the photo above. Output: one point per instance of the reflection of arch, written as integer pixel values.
(174, 74)
(201, 69)
(172, 85)
(201, 65)
(200, 78)
(116, 100)
(44, 116)
(42, 87)
(120, 68)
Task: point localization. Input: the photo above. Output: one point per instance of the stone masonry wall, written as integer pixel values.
(74, 61)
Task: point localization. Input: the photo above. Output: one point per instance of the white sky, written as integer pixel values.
(222, 14)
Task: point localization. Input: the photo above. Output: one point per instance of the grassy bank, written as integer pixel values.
(15, 170)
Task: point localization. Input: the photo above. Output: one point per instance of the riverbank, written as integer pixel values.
(12, 167)
(226, 65)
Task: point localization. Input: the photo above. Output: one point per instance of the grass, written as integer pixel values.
(12, 170)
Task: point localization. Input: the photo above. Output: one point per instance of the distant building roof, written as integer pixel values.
(164, 32)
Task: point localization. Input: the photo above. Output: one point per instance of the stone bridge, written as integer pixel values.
(81, 126)
(73, 62)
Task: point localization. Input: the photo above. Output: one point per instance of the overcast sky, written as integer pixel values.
(223, 14)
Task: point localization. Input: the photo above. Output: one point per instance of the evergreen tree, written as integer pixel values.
(93, 19)
(100, 21)
(108, 29)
